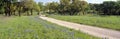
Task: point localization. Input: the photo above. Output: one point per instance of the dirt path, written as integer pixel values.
(95, 31)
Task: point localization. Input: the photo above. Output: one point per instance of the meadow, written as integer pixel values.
(110, 22)
(32, 27)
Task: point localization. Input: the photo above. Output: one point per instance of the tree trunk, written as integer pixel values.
(9, 13)
(71, 13)
(5, 13)
(38, 13)
(31, 12)
(19, 13)
(14, 13)
(83, 13)
(27, 13)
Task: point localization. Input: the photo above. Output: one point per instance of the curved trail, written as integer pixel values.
(95, 31)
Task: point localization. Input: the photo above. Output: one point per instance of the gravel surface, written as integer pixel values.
(95, 31)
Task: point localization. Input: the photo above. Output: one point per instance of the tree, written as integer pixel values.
(13, 8)
(37, 8)
(19, 7)
(118, 7)
(64, 6)
(110, 8)
(7, 5)
(107, 8)
(28, 5)
(78, 6)
(52, 7)
(41, 6)
(84, 6)
(1, 9)
(71, 7)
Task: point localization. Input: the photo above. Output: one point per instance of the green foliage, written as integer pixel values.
(64, 7)
(69, 7)
(107, 8)
(78, 7)
(111, 22)
(52, 7)
(25, 27)
(1, 10)
(10, 7)
(41, 6)
(1, 7)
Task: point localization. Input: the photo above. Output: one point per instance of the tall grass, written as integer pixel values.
(111, 22)
(34, 28)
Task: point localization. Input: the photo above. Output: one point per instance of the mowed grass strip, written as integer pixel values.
(30, 27)
(111, 22)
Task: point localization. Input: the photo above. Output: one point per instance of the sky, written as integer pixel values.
(97, 1)
(89, 1)
(45, 1)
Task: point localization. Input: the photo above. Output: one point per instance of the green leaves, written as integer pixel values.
(107, 8)
(68, 7)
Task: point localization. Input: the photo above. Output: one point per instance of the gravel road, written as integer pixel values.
(95, 31)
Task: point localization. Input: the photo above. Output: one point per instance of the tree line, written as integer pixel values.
(18, 7)
(107, 8)
(77, 7)
(68, 7)
(63, 7)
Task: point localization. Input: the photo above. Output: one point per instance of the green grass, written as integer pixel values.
(110, 22)
(30, 27)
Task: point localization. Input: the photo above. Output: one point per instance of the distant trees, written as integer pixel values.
(28, 6)
(107, 8)
(10, 7)
(41, 6)
(52, 7)
(68, 7)
(78, 7)
(38, 8)
(1, 6)
(64, 7)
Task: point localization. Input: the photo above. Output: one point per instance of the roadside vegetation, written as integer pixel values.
(26, 26)
(77, 7)
(111, 22)
(77, 11)
(31, 27)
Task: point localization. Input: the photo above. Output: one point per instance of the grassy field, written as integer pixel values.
(34, 28)
(111, 22)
